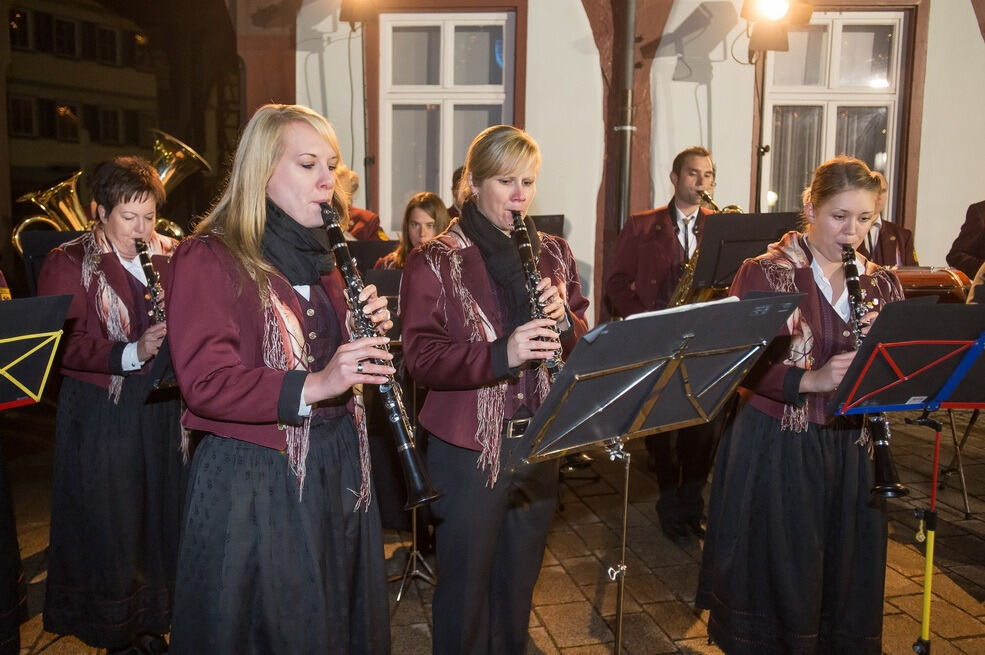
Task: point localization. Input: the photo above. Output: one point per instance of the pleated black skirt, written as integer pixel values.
(795, 557)
(118, 489)
(261, 571)
(13, 603)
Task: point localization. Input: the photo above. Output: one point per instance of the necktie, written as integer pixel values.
(687, 237)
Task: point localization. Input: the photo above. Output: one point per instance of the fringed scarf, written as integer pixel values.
(111, 310)
(298, 255)
(491, 398)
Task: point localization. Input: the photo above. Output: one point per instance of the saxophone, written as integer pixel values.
(155, 292)
(419, 489)
(683, 294)
(886, 479)
(531, 279)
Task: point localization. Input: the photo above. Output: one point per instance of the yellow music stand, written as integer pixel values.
(30, 330)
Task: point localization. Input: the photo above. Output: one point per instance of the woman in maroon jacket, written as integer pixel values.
(119, 478)
(795, 556)
(281, 548)
(469, 338)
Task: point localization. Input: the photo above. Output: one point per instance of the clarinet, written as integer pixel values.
(886, 479)
(531, 278)
(419, 489)
(155, 292)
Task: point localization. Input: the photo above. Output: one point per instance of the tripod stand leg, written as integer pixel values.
(618, 573)
(956, 463)
(414, 560)
(922, 645)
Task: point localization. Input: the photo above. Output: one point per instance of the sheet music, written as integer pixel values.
(683, 308)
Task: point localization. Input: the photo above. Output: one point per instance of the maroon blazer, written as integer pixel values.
(893, 248)
(968, 250)
(364, 225)
(88, 354)
(647, 262)
(215, 329)
(438, 346)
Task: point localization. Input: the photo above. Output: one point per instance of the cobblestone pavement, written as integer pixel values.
(575, 601)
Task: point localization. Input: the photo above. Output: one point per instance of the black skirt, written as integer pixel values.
(13, 603)
(795, 556)
(118, 489)
(261, 571)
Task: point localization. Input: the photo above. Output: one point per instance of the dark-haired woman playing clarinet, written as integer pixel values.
(119, 476)
(469, 337)
(795, 556)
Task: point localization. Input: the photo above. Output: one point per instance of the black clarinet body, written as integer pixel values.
(531, 278)
(886, 481)
(419, 489)
(155, 292)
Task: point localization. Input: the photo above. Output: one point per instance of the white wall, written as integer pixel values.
(952, 163)
(711, 104)
(564, 114)
(329, 65)
(563, 105)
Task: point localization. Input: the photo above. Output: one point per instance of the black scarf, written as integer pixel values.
(293, 249)
(502, 258)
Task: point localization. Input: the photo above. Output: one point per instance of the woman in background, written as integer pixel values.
(795, 556)
(424, 218)
(119, 479)
(281, 547)
(468, 336)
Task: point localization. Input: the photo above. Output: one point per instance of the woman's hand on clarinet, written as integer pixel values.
(534, 340)
(375, 307)
(150, 341)
(867, 321)
(828, 377)
(550, 299)
(352, 364)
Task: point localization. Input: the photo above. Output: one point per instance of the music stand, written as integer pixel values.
(727, 240)
(37, 244)
(30, 330)
(899, 367)
(367, 252)
(651, 373)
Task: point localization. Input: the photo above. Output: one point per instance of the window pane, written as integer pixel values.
(861, 132)
(866, 53)
(19, 33)
(796, 152)
(21, 117)
(469, 121)
(479, 54)
(803, 64)
(417, 55)
(106, 44)
(415, 155)
(67, 122)
(65, 42)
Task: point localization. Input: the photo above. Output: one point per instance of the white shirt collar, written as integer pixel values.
(133, 267)
(841, 306)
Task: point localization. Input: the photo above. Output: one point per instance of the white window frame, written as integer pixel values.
(115, 61)
(29, 28)
(446, 93)
(830, 96)
(118, 139)
(33, 103)
(54, 37)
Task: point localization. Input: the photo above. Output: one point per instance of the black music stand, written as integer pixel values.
(901, 367)
(651, 373)
(367, 252)
(30, 330)
(37, 244)
(727, 240)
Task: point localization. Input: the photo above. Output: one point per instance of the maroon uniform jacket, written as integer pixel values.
(215, 329)
(893, 248)
(968, 250)
(88, 354)
(364, 225)
(441, 352)
(647, 262)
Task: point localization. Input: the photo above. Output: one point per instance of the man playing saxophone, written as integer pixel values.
(651, 253)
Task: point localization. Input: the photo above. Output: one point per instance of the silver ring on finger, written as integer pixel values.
(359, 367)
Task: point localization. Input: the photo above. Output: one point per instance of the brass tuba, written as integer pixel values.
(683, 293)
(173, 161)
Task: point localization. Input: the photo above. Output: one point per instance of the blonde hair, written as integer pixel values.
(240, 215)
(495, 151)
(432, 205)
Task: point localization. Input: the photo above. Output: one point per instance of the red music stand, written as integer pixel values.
(29, 336)
(900, 366)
